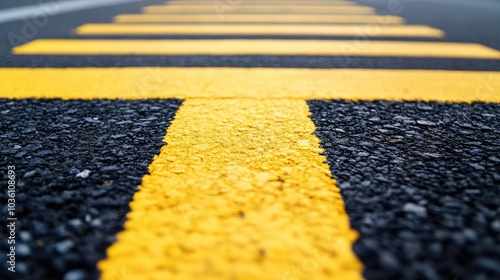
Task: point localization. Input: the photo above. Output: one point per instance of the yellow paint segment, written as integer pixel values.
(259, 18)
(239, 192)
(242, 29)
(250, 83)
(256, 47)
(214, 9)
(260, 3)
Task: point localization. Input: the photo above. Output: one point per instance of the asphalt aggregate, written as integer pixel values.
(78, 165)
(421, 184)
(420, 181)
(251, 61)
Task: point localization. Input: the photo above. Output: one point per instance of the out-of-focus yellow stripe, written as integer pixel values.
(213, 9)
(250, 83)
(261, 3)
(241, 29)
(239, 192)
(260, 18)
(256, 47)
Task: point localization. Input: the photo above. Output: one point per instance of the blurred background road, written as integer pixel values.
(462, 21)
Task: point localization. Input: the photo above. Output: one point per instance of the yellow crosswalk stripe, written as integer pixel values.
(260, 3)
(240, 192)
(214, 9)
(259, 18)
(250, 83)
(256, 47)
(242, 29)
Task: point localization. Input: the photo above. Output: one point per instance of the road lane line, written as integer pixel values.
(250, 83)
(259, 18)
(240, 191)
(213, 9)
(256, 47)
(241, 29)
(52, 8)
(260, 3)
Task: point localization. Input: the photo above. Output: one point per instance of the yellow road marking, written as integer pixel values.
(241, 29)
(213, 9)
(256, 47)
(261, 18)
(260, 2)
(251, 83)
(239, 192)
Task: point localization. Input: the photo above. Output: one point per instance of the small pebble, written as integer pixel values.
(77, 274)
(84, 174)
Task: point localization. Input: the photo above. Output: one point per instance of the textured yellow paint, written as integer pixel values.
(239, 192)
(254, 83)
(256, 47)
(248, 29)
(260, 9)
(261, 18)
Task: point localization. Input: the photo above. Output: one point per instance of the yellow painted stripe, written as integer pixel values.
(240, 29)
(239, 192)
(260, 2)
(256, 47)
(246, 2)
(212, 9)
(260, 18)
(256, 83)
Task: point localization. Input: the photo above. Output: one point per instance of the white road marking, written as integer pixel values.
(53, 7)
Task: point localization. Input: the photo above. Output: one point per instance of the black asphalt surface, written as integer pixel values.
(252, 61)
(67, 219)
(421, 183)
(420, 180)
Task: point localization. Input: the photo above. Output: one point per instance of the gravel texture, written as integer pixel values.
(421, 183)
(250, 61)
(78, 164)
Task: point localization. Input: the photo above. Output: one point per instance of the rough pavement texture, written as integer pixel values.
(65, 219)
(250, 61)
(421, 184)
